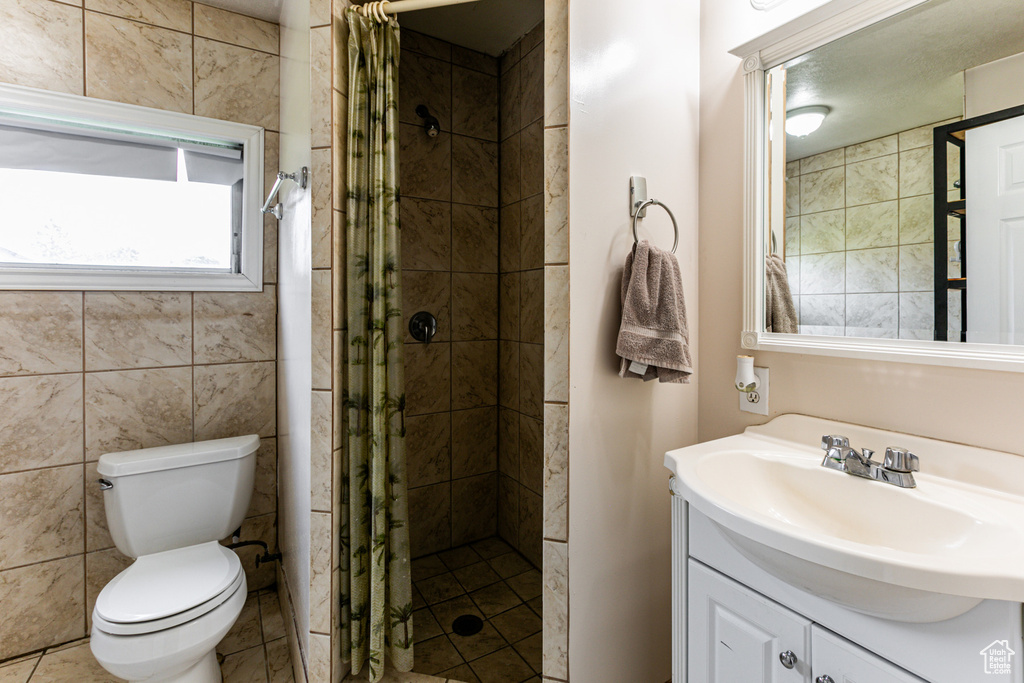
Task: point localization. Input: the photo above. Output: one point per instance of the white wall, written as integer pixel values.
(969, 406)
(294, 379)
(634, 87)
(994, 86)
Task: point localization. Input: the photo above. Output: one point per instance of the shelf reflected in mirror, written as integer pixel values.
(852, 205)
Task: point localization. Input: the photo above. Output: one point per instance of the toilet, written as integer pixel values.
(160, 620)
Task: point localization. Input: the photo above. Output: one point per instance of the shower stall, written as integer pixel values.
(472, 217)
(470, 266)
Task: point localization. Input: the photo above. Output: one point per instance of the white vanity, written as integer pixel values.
(785, 570)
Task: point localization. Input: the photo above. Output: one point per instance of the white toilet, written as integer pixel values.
(161, 619)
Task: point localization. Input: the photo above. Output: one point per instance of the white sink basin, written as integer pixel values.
(920, 555)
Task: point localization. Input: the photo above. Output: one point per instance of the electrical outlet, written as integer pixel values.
(756, 401)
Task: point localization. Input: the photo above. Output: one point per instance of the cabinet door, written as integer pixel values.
(737, 635)
(843, 662)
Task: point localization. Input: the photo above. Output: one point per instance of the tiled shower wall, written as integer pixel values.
(859, 238)
(322, 664)
(521, 328)
(556, 340)
(328, 104)
(449, 216)
(84, 373)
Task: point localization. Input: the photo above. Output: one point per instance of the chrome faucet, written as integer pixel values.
(897, 468)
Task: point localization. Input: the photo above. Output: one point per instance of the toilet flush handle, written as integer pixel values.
(105, 484)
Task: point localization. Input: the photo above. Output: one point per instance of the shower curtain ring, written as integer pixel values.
(383, 14)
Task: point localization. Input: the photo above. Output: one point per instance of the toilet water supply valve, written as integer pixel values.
(267, 556)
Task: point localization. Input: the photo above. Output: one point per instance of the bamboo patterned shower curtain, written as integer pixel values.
(376, 590)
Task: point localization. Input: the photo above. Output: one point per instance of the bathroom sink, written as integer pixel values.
(922, 554)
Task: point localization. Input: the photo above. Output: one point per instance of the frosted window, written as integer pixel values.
(102, 195)
(75, 219)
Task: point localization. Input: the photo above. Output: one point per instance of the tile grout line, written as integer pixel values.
(33, 672)
(192, 45)
(146, 368)
(85, 67)
(334, 544)
(192, 341)
(451, 302)
(85, 486)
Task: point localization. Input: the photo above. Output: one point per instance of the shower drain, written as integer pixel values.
(467, 625)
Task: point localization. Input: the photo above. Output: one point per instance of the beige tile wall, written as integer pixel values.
(328, 105)
(556, 341)
(859, 238)
(521, 362)
(83, 373)
(449, 215)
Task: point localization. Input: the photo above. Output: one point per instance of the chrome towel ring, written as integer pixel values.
(655, 202)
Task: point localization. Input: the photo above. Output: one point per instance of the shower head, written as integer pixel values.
(430, 123)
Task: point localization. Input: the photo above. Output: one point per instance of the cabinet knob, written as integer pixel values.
(824, 678)
(788, 659)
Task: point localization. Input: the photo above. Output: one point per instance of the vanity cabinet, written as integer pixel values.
(737, 634)
(861, 581)
(843, 662)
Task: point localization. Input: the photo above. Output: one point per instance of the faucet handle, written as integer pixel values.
(900, 460)
(867, 453)
(832, 440)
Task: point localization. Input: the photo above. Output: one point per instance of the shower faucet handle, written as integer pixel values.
(423, 326)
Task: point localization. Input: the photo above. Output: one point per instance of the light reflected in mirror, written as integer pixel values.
(851, 204)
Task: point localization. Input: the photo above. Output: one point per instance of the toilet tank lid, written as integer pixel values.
(176, 456)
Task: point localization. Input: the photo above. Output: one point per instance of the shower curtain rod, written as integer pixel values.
(408, 5)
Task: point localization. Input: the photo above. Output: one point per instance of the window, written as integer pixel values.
(101, 195)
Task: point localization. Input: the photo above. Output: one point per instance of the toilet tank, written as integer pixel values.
(175, 496)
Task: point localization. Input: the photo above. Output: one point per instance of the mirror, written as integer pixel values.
(853, 132)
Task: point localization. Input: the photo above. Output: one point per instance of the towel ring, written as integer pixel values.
(655, 202)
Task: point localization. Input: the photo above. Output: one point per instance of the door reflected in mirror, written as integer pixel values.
(857, 129)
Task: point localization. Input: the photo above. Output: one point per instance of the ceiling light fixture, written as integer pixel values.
(805, 120)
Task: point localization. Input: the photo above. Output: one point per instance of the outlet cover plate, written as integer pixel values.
(760, 407)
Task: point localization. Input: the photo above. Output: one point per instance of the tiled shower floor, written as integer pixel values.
(255, 651)
(492, 581)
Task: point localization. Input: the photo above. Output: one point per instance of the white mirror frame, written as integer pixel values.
(817, 27)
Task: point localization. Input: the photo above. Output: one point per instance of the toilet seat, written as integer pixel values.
(164, 590)
(185, 653)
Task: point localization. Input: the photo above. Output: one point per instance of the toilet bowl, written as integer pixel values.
(160, 620)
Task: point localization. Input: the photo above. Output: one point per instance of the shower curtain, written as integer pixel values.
(376, 589)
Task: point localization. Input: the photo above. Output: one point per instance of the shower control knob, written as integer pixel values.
(423, 326)
(788, 659)
(824, 678)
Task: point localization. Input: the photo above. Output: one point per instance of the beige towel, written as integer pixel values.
(653, 337)
(779, 311)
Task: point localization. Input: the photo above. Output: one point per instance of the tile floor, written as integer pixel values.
(487, 579)
(492, 581)
(255, 651)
